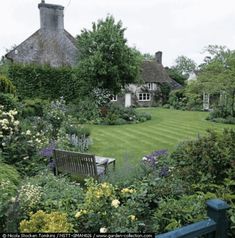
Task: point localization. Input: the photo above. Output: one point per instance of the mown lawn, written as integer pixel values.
(166, 129)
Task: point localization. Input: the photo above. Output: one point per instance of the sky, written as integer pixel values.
(175, 27)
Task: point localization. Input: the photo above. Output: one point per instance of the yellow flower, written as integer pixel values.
(115, 203)
(132, 217)
(103, 230)
(127, 190)
(78, 214)
(82, 212)
(104, 185)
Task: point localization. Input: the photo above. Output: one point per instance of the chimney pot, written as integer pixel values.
(158, 57)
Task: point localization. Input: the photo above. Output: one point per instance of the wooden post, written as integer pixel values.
(216, 210)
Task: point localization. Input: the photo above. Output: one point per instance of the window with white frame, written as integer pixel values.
(144, 97)
(114, 98)
(151, 86)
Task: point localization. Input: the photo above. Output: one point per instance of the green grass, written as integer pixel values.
(166, 129)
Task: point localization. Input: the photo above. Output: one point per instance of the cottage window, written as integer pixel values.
(151, 86)
(114, 98)
(144, 97)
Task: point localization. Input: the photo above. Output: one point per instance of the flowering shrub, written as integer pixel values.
(8, 126)
(29, 197)
(55, 114)
(49, 193)
(117, 115)
(43, 222)
(152, 163)
(103, 211)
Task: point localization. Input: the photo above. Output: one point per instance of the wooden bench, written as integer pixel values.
(81, 164)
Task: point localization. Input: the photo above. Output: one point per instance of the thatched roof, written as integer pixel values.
(154, 72)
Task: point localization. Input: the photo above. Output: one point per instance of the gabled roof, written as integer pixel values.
(46, 47)
(153, 72)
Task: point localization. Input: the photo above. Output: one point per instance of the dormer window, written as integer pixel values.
(151, 86)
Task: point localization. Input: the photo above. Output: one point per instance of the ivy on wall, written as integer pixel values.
(44, 82)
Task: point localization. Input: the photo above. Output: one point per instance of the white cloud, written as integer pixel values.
(174, 26)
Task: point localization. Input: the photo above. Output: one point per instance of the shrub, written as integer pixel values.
(50, 193)
(33, 107)
(6, 85)
(45, 82)
(43, 222)
(174, 213)
(118, 115)
(55, 114)
(210, 157)
(8, 101)
(102, 209)
(9, 180)
(85, 110)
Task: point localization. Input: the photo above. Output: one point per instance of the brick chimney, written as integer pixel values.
(158, 57)
(51, 17)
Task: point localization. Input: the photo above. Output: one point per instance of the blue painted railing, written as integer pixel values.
(214, 227)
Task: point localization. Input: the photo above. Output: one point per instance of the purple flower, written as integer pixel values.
(164, 171)
(48, 151)
(152, 159)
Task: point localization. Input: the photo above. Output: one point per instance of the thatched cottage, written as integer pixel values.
(53, 45)
(153, 75)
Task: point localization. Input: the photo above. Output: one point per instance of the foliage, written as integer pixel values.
(73, 136)
(43, 222)
(19, 147)
(55, 114)
(8, 127)
(176, 75)
(6, 85)
(49, 193)
(33, 107)
(86, 110)
(9, 179)
(118, 115)
(106, 61)
(174, 213)
(184, 65)
(8, 101)
(185, 99)
(217, 76)
(208, 157)
(163, 92)
(34, 81)
(102, 209)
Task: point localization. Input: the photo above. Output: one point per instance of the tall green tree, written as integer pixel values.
(106, 61)
(218, 76)
(184, 65)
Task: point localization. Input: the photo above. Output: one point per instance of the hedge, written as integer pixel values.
(44, 82)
